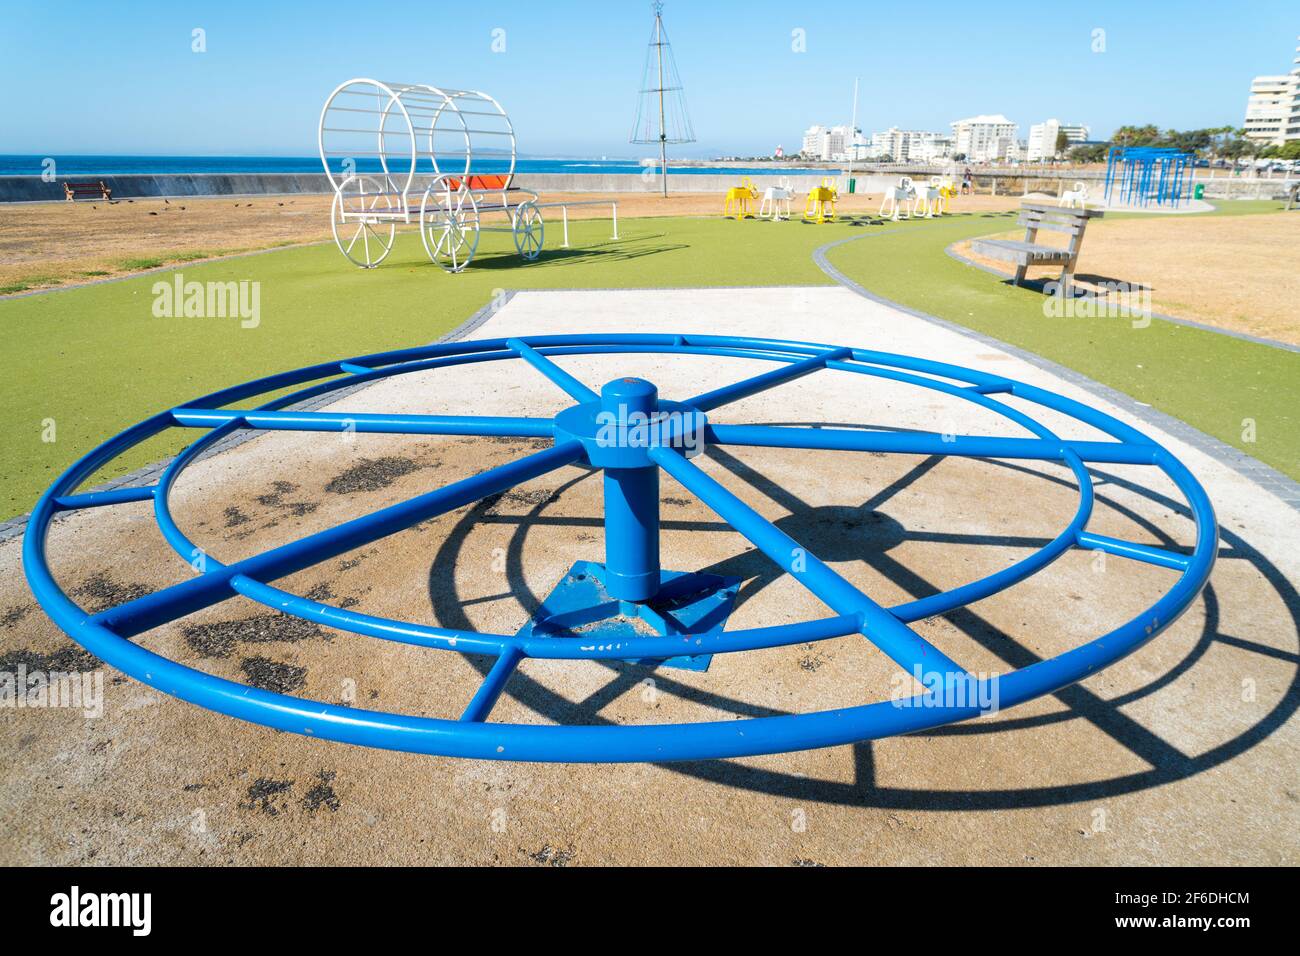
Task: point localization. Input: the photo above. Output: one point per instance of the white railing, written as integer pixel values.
(564, 213)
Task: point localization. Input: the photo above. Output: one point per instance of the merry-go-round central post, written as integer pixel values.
(631, 499)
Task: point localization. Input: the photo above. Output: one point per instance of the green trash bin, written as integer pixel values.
(1199, 191)
(853, 185)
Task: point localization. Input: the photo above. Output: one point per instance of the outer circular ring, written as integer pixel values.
(616, 743)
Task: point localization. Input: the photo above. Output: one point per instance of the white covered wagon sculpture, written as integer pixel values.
(404, 153)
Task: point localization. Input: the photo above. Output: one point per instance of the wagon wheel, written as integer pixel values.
(361, 209)
(449, 224)
(529, 230)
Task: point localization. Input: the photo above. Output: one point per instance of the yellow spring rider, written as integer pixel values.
(740, 200)
(821, 202)
(947, 192)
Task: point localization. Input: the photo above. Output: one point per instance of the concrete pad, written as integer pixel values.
(1185, 752)
(1186, 207)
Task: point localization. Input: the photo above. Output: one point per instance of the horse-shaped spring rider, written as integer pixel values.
(740, 199)
(820, 206)
(947, 192)
(897, 200)
(929, 199)
(1078, 196)
(773, 198)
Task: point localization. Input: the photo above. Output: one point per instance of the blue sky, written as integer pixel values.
(125, 80)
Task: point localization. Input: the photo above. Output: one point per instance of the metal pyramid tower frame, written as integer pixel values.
(661, 115)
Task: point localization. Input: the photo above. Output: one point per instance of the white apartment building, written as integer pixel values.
(833, 143)
(1268, 109)
(935, 146)
(887, 144)
(895, 144)
(984, 138)
(860, 147)
(1293, 121)
(901, 145)
(817, 142)
(1043, 136)
(1273, 109)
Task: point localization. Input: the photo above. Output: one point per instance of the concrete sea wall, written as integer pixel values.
(1008, 181)
(138, 186)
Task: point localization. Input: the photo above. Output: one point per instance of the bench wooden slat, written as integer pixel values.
(1067, 228)
(1064, 210)
(1015, 250)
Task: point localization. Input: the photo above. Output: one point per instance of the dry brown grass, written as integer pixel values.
(50, 244)
(45, 245)
(1235, 272)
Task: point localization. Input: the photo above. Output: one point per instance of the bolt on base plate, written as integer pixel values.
(688, 606)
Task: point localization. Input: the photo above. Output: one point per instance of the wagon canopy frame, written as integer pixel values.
(415, 130)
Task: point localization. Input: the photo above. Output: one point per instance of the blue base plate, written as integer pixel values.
(689, 605)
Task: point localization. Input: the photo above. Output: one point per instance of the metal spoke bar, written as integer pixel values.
(575, 388)
(928, 443)
(213, 586)
(991, 388)
(97, 499)
(486, 697)
(509, 426)
(759, 383)
(1131, 549)
(907, 648)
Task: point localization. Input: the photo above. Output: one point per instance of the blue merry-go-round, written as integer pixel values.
(631, 434)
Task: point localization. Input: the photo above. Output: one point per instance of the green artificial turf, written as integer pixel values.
(94, 360)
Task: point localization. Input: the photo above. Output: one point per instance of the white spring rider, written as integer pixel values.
(898, 199)
(929, 199)
(1078, 196)
(773, 197)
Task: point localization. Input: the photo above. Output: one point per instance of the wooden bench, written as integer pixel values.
(1025, 253)
(96, 190)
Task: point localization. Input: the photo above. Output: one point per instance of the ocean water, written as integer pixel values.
(73, 166)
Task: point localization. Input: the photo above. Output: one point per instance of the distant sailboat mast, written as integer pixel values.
(663, 136)
(660, 79)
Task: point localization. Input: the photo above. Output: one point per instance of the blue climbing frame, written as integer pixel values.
(606, 431)
(1143, 175)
